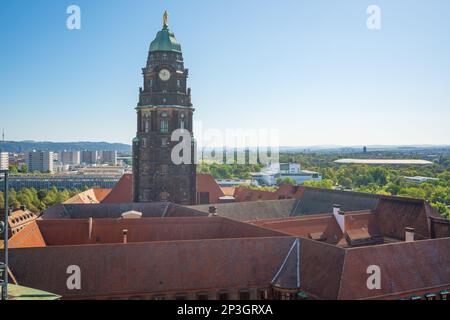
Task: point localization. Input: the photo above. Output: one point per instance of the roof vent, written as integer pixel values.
(409, 234)
(125, 236)
(212, 211)
(132, 215)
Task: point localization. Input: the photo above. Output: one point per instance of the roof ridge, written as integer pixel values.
(342, 275)
(295, 244)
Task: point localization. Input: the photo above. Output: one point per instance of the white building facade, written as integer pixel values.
(41, 161)
(270, 175)
(71, 158)
(108, 157)
(4, 160)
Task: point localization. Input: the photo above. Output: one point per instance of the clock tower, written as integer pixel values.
(164, 106)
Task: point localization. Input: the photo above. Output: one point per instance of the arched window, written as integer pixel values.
(145, 122)
(164, 123)
(182, 121)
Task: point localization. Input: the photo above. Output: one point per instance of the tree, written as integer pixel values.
(413, 192)
(24, 168)
(286, 180)
(442, 209)
(13, 169)
(325, 184)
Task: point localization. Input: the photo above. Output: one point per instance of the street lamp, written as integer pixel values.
(4, 264)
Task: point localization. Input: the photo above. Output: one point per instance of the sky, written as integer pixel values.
(310, 69)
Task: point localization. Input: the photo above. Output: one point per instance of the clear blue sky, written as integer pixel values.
(311, 68)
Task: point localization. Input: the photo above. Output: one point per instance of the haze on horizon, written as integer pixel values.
(310, 69)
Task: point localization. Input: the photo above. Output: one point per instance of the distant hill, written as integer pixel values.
(24, 146)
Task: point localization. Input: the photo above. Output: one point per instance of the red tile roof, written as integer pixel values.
(153, 268)
(28, 237)
(206, 183)
(122, 191)
(404, 267)
(89, 196)
(102, 231)
(334, 273)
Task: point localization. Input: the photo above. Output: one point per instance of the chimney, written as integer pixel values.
(409, 234)
(125, 236)
(90, 227)
(212, 211)
(23, 208)
(339, 216)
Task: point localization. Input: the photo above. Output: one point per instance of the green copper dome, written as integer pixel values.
(165, 41)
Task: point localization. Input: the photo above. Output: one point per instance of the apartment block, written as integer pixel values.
(41, 161)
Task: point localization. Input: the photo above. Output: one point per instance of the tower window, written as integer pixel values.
(178, 83)
(150, 83)
(182, 121)
(164, 123)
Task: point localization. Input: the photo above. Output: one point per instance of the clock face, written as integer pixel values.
(164, 75)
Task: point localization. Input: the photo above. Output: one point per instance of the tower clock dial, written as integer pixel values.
(164, 75)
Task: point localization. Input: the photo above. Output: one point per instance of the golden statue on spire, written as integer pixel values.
(165, 19)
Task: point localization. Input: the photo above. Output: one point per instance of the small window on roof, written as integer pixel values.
(223, 295)
(244, 294)
(202, 296)
(181, 296)
(263, 294)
